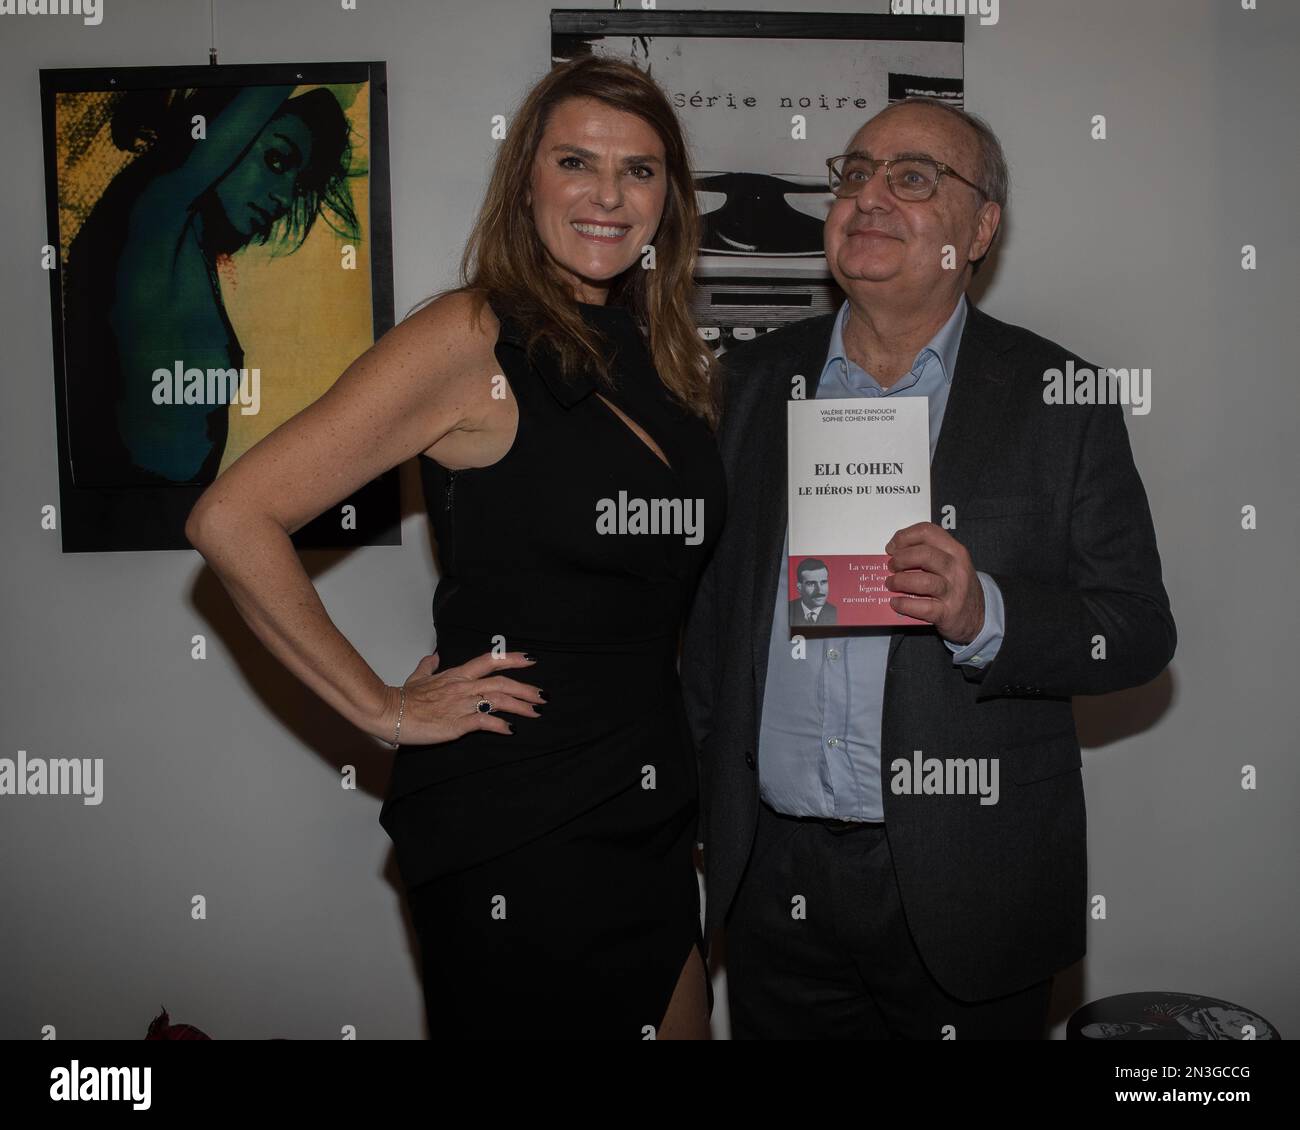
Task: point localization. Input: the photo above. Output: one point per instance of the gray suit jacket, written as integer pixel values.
(1048, 502)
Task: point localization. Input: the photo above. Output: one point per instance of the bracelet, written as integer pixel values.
(401, 709)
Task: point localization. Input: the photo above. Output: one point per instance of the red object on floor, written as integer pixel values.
(161, 1029)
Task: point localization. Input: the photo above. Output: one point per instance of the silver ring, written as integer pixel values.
(483, 706)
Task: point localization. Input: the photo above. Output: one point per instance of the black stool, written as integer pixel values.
(1167, 1016)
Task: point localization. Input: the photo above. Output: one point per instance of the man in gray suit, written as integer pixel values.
(869, 886)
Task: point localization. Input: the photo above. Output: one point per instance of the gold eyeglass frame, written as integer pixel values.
(941, 171)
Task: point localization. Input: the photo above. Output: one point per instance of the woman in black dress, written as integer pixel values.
(543, 797)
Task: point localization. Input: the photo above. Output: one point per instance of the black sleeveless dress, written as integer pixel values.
(550, 872)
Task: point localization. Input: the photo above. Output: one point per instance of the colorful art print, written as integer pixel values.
(220, 252)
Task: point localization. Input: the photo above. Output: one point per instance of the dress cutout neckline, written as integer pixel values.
(653, 447)
(620, 414)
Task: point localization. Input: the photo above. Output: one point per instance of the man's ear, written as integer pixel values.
(986, 229)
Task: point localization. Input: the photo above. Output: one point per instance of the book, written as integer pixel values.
(858, 471)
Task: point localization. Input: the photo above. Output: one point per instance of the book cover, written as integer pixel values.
(859, 471)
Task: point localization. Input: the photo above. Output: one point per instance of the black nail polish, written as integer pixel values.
(528, 656)
(542, 695)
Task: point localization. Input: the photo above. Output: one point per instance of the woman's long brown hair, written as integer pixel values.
(505, 257)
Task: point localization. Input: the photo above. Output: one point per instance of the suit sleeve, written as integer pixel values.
(699, 644)
(983, 649)
(1113, 597)
(700, 639)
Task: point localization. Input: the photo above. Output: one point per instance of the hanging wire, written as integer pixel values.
(212, 28)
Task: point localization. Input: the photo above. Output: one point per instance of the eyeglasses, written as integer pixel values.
(909, 178)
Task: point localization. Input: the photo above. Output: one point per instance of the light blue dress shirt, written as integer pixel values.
(819, 738)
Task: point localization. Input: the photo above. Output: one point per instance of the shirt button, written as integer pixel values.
(833, 653)
(833, 742)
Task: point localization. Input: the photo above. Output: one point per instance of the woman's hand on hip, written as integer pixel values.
(443, 705)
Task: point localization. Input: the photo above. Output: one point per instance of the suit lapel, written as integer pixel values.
(976, 402)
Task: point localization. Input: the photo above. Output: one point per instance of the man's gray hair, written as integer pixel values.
(992, 176)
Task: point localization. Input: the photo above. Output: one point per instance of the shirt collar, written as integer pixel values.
(943, 346)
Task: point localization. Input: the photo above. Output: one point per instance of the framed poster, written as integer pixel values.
(764, 98)
(219, 252)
